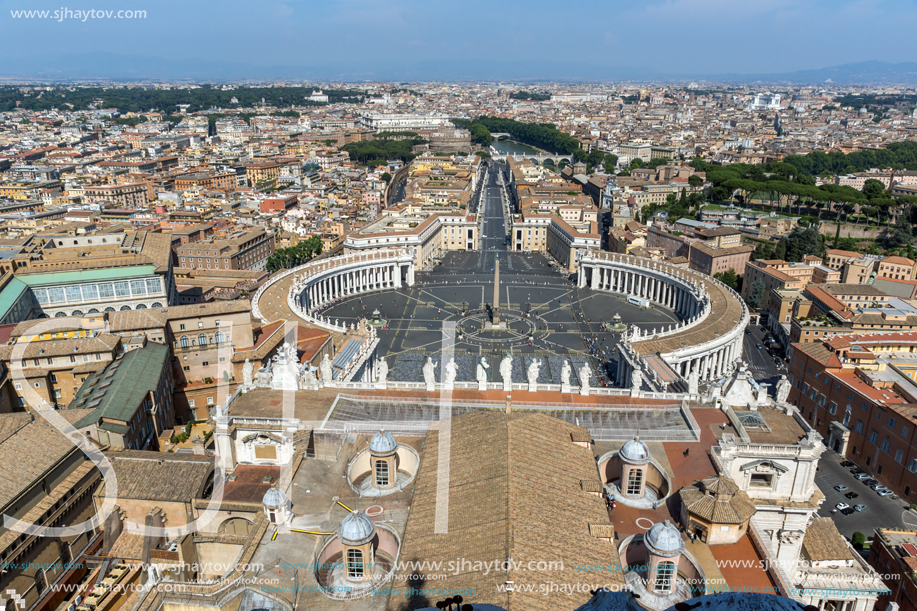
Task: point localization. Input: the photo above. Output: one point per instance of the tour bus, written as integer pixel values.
(640, 303)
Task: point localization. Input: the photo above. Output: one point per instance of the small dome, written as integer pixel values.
(664, 539)
(635, 451)
(383, 444)
(357, 529)
(274, 497)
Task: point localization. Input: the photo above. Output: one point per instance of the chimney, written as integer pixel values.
(509, 405)
(197, 446)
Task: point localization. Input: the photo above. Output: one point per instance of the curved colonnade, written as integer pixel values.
(709, 337)
(320, 282)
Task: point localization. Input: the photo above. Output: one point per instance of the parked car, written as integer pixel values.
(851, 495)
(862, 476)
(877, 486)
(841, 506)
(847, 511)
(856, 471)
(859, 507)
(846, 463)
(885, 492)
(841, 488)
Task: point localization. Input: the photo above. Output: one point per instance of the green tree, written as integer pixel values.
(695, 181)
(801, 242)
(635, 163)
(386, 177)
(729, 278)
(873, 188)
(858, 540)
(902, 233)
(287, 258)
(611, 163)
(756, 294)
(780, 250)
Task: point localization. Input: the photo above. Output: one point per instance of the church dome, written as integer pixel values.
(383, 444)
(274, 498)
(357, 529)
(635, 452)
(664, 539)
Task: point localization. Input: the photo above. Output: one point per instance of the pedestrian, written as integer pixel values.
(655, 504)
(724, 426)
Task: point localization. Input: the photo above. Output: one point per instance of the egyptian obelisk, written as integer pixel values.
(496, 306)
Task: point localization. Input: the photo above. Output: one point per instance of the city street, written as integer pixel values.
(881, 512)
(760, 363)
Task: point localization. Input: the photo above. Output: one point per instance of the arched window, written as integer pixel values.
(354, 563)
(59, 314)
(665, 577)
(201, 340)
(76, 313)
(381, 473)
(634, 482)
(141, 306)
(219, 337)
(109, 309)
(156, 304)
(93, 311)
(125, 308)
(184, 341)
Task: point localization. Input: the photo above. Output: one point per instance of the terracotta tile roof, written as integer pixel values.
(160, 476)
(521, 499)
(823, 541)
(717, 500)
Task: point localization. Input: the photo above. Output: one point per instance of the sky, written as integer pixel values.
(451, 39)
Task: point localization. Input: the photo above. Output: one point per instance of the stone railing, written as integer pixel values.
(318, 269)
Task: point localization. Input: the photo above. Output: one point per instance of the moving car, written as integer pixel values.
(841, 506)
(841, 488)
(859, 507)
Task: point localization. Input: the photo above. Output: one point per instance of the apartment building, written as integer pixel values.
(858, 391)
(68, 275)
(893, 552)
(49, 481)
(49, 367)
(130, 400)
(781, 275)
(247, 250)
(897, 268)
(130, 196)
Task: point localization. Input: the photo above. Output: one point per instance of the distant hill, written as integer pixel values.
(861, 73)
(126, 67)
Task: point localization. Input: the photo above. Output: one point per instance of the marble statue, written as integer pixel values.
(783, 389)
(285, 369)
(636, 379)
(450, 372)
(565, 377)
(506, 370)
(248, 370)
(585, 374)
(481, 374)
(693, 381)
(325, 367)
(382, 374)
(263, 377)
(532, 374)
(307, 379)
(429, 376)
